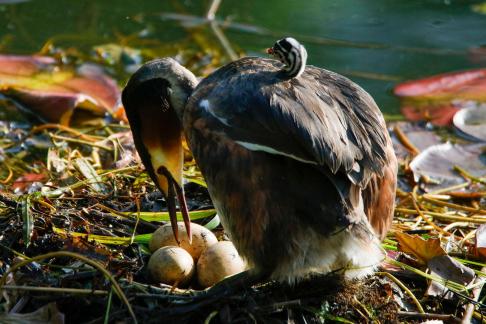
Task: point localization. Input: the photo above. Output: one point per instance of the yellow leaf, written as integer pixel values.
(423, 250)
(117, 240)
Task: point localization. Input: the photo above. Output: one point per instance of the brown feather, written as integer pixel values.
(379, 197)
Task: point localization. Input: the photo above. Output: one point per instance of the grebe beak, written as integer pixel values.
(157, 132)
(167, 158)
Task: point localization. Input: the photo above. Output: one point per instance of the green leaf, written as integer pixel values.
(164, 216)
(213, 223)
(142, 238)
(103, 239)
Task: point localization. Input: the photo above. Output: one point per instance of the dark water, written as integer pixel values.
(376, 43)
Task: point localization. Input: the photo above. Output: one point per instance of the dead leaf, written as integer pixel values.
(88, 171)
(437, 163)
(423, 250)
(93, 250)
(480, 240)
(449, 269)
(54, 91)
(463, 84)
(438, 98)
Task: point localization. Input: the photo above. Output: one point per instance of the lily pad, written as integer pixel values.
(437, 164)
(440, 115)
(417, 134)
(471, 123)
(464, 84)
(53, 91)
(439, 97)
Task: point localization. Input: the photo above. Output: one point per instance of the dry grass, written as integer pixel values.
(83, 193)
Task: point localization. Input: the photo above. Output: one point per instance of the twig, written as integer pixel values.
(92, 263)
(454, 225)
(407, 291)
(223, 40)
(468, 175)
(59, 191)
(79, 141)
(165, 295)
(57, 290)
(454, 286)
(428, 221)
(9, 176)
(444, 317)
(402, 193)
(73, 131)
(213, 9)
(211, 316)
(454, 187)
(438, 197)
(467, 195)
(455, 206)
(405, 141)
(360, 304)
(137, 203)
(479, 317)
(443, 216)
(475, 295)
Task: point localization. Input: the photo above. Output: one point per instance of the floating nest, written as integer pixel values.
(77, 211)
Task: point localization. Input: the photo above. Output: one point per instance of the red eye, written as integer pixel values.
(270, 50)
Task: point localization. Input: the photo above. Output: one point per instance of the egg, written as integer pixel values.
(202, 238)
(171, 265)
(218, 261)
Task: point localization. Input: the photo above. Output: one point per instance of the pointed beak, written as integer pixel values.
(157, 133)
(174, 189)
(167, 158)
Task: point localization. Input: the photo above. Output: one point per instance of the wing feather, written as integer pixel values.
(320, 117)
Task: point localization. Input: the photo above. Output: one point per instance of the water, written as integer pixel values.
(376, 43)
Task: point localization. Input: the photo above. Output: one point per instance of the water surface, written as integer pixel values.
(376, 43)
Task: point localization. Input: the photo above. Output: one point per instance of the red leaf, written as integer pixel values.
(18, 65)
(448, 83)
(438, 98)
(437, 115)
(54, 92)
(23, 182)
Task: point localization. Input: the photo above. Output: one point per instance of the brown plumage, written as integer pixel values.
(301, 169)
